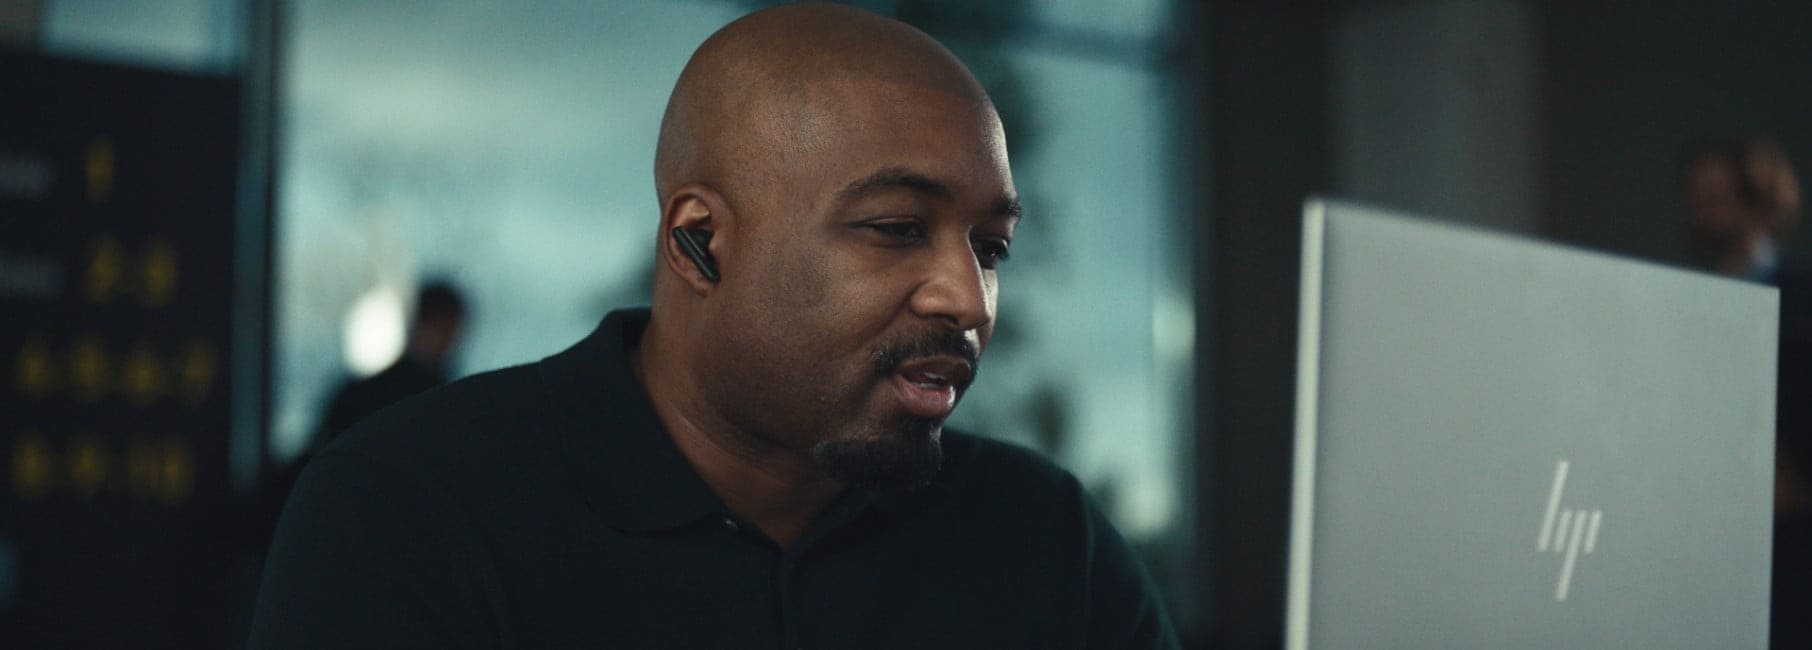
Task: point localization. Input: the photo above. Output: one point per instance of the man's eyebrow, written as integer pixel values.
(903, 178)
(892, 178)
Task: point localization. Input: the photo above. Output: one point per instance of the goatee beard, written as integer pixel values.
(906, 456)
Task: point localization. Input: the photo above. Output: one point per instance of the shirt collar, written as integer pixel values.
(629, 470)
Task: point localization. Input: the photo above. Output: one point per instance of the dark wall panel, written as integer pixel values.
(1627, 87)
(1268, 149)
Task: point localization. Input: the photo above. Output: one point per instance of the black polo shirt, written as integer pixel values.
(543, 506)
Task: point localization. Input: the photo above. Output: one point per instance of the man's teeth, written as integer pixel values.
(931, 380)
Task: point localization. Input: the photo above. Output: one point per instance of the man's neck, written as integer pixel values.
(779, 490)
(1744, 257)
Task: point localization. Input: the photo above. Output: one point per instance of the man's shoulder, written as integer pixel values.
(448, 424)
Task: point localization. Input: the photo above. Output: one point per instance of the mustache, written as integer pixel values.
(925, 344)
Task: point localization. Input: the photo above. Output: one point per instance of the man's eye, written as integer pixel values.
(991, 253)
(899, 229)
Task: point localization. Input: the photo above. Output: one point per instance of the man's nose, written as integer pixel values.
(955, 290)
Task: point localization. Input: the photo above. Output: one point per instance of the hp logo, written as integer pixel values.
(1564, 530)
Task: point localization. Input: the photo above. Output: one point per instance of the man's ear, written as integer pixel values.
(699, 210)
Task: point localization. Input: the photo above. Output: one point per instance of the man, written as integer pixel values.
(433, 336)
(758, 461)
(439, 316)
(1742, 201)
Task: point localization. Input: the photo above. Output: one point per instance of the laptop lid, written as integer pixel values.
(1508, 443)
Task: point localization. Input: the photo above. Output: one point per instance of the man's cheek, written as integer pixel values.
(803, 266)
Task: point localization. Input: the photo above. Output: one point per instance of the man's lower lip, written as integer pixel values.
(926, 402)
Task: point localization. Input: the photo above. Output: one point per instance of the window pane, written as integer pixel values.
(506, 146)
(192, 35)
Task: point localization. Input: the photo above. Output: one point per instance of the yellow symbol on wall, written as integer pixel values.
(88, 464)
(31, 466)
(106, 268)
(34, 373)
(196, 368)
(144, 468)
(159, 274)
(178, 472)
(88, 369)
(142, 378)
(100, 168)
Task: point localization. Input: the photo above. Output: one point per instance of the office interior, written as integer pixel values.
(326, 158)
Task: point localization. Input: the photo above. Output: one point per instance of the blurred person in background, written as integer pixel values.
(433, 339)
(440, 314)
(759, 459)
(1743, 202)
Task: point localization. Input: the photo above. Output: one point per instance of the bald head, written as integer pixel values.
(853, 180)
(750, 97)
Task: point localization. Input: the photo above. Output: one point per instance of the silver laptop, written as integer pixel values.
(1502, 443)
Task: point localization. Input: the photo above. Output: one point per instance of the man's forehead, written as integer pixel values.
(1001, 199)
(922, 126)
(863, 104)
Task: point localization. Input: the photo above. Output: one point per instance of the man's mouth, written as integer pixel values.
(928, 386)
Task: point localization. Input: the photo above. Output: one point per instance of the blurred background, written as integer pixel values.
(216, 216)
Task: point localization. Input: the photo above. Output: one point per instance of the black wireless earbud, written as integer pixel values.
(694, 243)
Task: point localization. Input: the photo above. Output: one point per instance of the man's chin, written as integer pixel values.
(901, 457)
